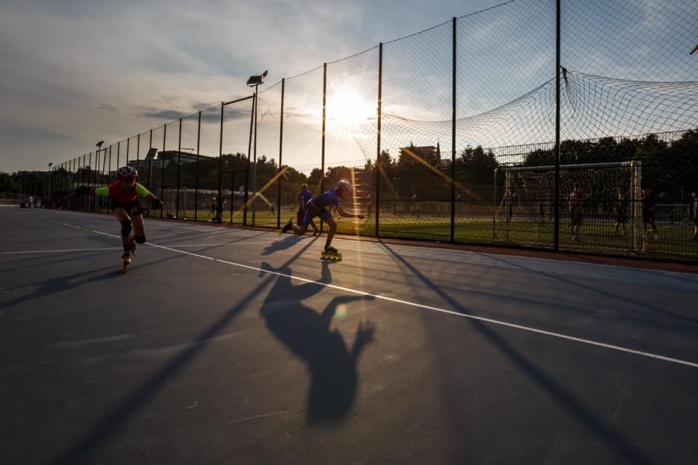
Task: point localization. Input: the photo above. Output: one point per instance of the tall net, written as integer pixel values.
(462, 104)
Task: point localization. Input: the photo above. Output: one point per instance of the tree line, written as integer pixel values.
(669, 167)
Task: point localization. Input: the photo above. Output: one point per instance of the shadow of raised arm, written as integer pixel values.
(364, 335)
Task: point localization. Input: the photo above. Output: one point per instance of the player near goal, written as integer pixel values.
(123, 196)
(319, 207)
(694, 195)
(576, 212)
(620, 210)
(648, 212)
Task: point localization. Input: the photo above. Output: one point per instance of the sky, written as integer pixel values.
(80, 71)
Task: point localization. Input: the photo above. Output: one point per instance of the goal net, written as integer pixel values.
(672, 213)
(610, 193)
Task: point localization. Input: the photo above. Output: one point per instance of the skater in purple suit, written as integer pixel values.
(319, 207)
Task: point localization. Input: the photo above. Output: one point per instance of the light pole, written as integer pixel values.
(179, 153)
(99, 149)
(255, 81)
(49, 180)
(98, 180)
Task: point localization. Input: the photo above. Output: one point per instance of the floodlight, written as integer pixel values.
(257, 80)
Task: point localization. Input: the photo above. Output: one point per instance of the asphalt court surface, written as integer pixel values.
(238, 346)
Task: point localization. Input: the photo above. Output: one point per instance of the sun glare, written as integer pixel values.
(348, 107)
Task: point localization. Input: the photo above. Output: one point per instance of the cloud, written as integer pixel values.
(17, 155)
(88, 70)
(169, 115)
(108, 108)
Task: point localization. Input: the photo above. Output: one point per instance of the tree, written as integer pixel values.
(475, 170)
(384, 160)
(315, 180)
(8, 185)
(477, 166)
(412, 156)
(336, 173)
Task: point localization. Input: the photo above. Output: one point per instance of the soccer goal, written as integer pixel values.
(525, 204)
(672, 213)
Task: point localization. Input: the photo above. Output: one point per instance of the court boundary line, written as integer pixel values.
(431, 307)
(443, 310)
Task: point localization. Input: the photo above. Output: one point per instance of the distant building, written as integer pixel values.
(171, 156)
(165, 157)
(414, 153)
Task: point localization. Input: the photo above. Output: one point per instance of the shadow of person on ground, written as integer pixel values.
(308, 334)
(287, 242)
(61, 284)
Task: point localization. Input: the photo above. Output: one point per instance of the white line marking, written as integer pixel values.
(70, 225)
(58, 250)
(181, 251)
(437, 309)
(442, 310)
(100, 340)
(256, 417)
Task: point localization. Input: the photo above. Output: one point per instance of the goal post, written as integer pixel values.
(525, 204)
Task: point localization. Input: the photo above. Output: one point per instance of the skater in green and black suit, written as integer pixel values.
(123, 195)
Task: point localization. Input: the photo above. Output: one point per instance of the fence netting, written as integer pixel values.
(483, 136)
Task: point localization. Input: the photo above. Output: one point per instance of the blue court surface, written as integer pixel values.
(234, 346)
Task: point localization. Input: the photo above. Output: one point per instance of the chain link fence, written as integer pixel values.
(560, 125)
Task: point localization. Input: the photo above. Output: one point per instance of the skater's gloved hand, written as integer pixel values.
(156, 204)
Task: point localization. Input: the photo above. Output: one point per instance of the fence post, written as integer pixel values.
(556, 240)
(179, 153)
(150, 162)
(247, 171)
(162, 167)
(196, 171)
(324, 115)
(281, 151)
(453, 138)
(219, 200)
(378, 138)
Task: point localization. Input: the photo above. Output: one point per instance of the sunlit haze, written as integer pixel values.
(74, 73)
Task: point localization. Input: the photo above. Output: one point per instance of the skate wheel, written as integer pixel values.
(125, 262)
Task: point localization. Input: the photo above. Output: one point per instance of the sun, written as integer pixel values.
(348, 107)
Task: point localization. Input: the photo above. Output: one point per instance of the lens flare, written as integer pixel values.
(341, 311)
